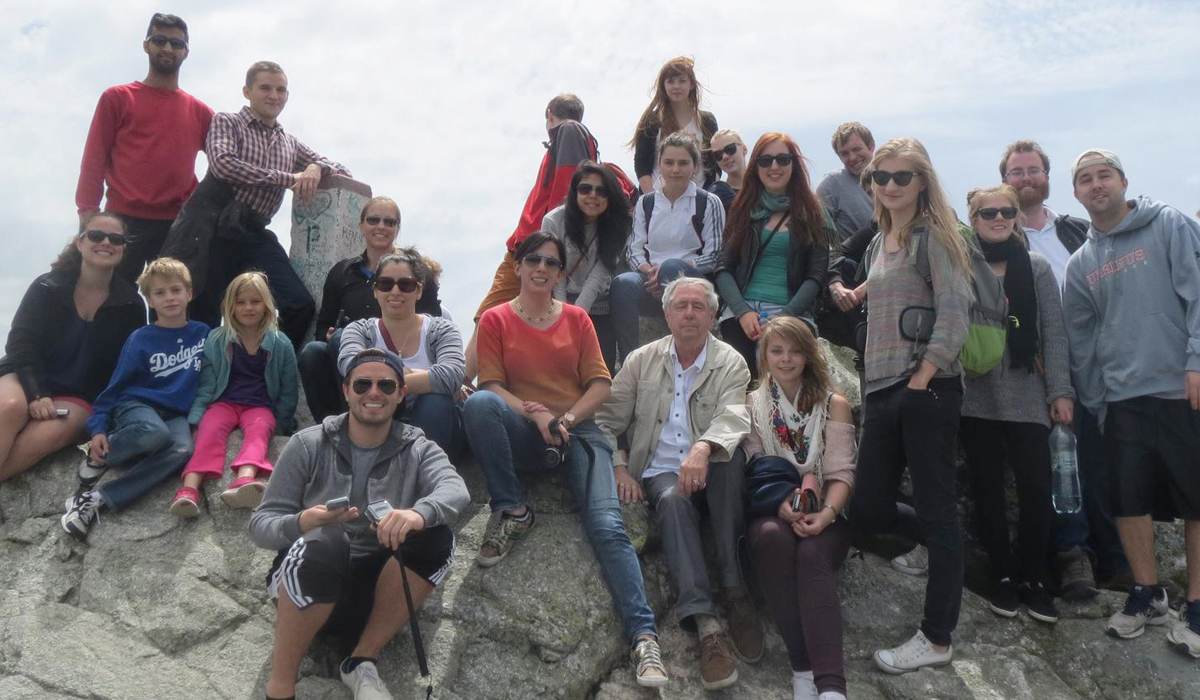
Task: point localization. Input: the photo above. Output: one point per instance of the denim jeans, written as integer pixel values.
(317, 363)
(162, 441)
(628, 301)
(439, 417)
(503, 439)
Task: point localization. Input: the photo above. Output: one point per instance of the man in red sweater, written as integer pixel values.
(143, 144)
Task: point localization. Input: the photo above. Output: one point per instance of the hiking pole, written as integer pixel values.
(418, 646)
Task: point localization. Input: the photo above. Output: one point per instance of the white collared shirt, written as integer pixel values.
(676, 437)
(1047, 243)
(671, 234)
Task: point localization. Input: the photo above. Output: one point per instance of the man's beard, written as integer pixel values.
(165, 68)
(358, 416)
(1034, 197)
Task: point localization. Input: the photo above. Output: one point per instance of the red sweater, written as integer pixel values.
(143, 144)
(569, 144)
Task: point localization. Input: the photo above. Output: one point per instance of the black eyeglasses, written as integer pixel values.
(160, 41)
(783, 159)
(387, 221)
(729, 150)
(534, 259)
(586, 188)
(406, 284)
(902, 177)
(363, 384)
(95, 236)
(990, 213)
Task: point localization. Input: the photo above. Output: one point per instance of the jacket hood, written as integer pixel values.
(1142, 210)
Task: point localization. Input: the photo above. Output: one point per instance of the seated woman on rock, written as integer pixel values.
(729, 151)
(595, 234)
(430, 347)
(776, 246)
(63, 345)
(348, 296)
(801, 444)
(541, 378)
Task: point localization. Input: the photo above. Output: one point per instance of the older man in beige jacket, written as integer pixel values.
(683, 401)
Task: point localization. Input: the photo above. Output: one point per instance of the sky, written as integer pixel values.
(440, 105)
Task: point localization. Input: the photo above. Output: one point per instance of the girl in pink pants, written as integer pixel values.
(248, 380)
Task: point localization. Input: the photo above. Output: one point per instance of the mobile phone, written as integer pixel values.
(797, 501)
(62, 412)
(338, 503)
(378, 510)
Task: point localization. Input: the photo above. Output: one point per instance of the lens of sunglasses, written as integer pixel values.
(160, 41)
(406, 284)
(535, 259)
(902, 177)
(783, 159)
(585, 188)
(990, 213)
(387, 221)
(117, 239)
(729, 150)
(362, 385)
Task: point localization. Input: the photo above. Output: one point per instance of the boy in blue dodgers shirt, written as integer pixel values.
(140, 421)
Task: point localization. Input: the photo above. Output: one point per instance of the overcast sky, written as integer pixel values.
(440, 104)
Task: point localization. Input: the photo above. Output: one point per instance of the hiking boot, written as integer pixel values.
(1004, 600)
(83, 511)
(745, 629)
(244, 492)
(186, 503)
(502, 535)
(1077, 582)
(1038, 603)
(1146, 605)
(648, 667)
(913, 563)
(90, 473)
(916, 653)
(365, 683)
(718, 667)
(1185, 633)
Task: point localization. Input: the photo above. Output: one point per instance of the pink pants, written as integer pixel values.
(212, 438)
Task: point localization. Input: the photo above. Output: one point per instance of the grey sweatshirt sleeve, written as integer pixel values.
(1052, 330)
(1083, 329)
(597, 281)
(275, 523)
(442, 494)
(446, 349)
(356, 337)
(1184, 258)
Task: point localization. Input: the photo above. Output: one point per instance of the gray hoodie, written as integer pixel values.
(1132, 304)
(410, 471)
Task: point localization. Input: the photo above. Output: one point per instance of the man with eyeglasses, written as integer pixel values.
(841, 191)
(1026, 167)
(350, 499)
(140, 153)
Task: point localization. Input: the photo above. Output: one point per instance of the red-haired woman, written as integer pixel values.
(674, 107)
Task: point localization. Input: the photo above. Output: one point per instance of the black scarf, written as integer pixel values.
(1022, 301)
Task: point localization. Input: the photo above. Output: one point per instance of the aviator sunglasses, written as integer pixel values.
(362, 385)
(406, 284)
(535, 259)
(95, 236)
(586, 188)
(783, 159)
(990, 213)
(387, 221)
(160, 41)
(902, 177)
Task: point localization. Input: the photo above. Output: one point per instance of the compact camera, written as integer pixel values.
(553, 455)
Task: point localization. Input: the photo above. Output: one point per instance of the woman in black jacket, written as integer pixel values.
(675, 107)
(63, 345)
(776, 245)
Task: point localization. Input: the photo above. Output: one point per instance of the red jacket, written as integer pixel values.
(570, 143)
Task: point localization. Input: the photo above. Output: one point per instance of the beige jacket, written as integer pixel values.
(641, 399)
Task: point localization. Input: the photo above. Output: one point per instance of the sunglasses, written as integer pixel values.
(534, 259)
(990, 213)
(586, 188)
(783, 159)
(117, 239)
(902, 177)
(729, 150)
(406, 284)
(160, 41)
(386, 386)
(387, 221)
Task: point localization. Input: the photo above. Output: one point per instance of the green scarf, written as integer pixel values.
(769, 204)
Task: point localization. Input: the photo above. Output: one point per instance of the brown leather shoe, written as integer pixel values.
(745, 630)
(718, 668)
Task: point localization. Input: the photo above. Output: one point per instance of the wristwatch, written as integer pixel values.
(567, 420)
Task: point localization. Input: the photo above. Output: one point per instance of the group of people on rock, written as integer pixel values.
(1102, 332)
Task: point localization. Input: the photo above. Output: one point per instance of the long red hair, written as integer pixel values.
(806, 215)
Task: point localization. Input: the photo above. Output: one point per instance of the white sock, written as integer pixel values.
(797, 675)
(831, 695)
(706, 625)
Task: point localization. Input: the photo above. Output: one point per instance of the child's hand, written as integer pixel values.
(319, 515)
(99, 449)
(394, 528)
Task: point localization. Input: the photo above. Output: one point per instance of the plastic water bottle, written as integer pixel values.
(1066, 494)
(763, 317)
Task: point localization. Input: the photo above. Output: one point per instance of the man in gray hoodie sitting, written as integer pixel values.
(337, 568)
(1132, 306)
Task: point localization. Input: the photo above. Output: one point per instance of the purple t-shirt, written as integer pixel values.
(247, 378)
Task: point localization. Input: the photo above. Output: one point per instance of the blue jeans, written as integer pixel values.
(162, 441)
(628, 301)
(439, 417)
(502, 439)
(317, 363)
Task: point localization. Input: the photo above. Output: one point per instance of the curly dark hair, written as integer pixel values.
(70, 260)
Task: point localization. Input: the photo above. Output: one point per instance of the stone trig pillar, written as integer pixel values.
(325, 229)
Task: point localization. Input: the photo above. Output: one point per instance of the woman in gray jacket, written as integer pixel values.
(430, 347)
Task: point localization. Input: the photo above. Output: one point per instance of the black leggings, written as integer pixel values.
(732, 333)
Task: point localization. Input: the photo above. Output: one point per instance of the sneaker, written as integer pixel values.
(1078, 582)
(1038, 603)
(365, 683)
(1184, 635)
(803, 686)
(1004, 600)
(1146, 605)
(916, 653)
(244, 492)
(647, 664)
(186, 503)
(745, 629)
(502, 535)
(90, 473)
(914, 563)
(83, 511)
(718, 667)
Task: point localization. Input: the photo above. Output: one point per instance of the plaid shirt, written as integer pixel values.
(259, 160)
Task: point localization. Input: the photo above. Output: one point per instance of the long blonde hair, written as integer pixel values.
(235, 331)
(814, 381)
(933, 207)
(975, 203)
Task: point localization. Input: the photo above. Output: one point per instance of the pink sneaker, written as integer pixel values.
(186, 503)
(244, 492)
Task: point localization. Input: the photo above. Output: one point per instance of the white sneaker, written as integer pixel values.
(803, 686)
(1146, 605)
(914, 563)
(365, 683)
(916, 653)
(648, 666)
